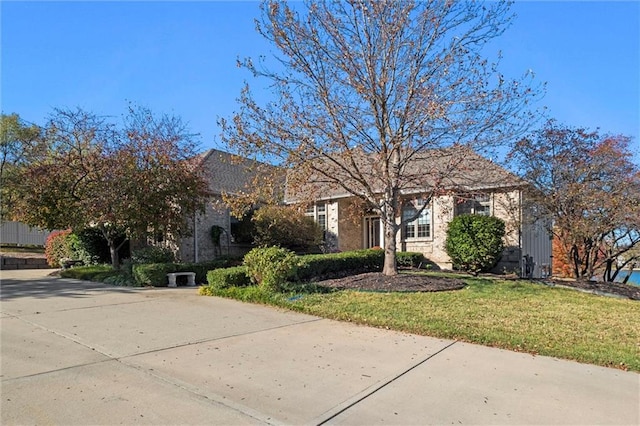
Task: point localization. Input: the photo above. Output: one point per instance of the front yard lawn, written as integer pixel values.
(515, 315)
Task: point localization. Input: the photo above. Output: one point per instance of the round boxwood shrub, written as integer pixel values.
(474, 242)
(270, 267)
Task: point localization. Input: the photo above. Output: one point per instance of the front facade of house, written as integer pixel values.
(482, 188)
(228, 174)
(427, 233)
(348, 228)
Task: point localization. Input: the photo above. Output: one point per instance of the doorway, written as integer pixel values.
(372, 229)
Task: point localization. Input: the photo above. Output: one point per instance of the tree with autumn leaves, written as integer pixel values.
(139, 179)
(590, 186)
(363, 88)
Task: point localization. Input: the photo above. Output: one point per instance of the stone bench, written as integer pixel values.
(191, 276)
(66, 264)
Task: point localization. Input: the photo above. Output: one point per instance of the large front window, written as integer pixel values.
(416, 225)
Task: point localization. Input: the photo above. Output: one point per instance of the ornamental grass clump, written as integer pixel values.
(271, 267)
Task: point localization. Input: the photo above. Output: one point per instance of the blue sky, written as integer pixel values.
(180, 58)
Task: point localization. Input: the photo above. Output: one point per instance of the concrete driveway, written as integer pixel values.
(75, 352)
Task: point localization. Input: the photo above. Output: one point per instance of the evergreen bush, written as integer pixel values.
(409, 259)
(345, 263)
(270, 267)
(222, 278)
(474, 242)
(153, 274)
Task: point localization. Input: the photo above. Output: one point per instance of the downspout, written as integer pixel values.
(195, 238)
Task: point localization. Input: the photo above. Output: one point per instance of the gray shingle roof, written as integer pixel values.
(449, 169)
(229, 173)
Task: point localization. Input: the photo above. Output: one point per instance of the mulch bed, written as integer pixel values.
(628, 291)
(375, 281)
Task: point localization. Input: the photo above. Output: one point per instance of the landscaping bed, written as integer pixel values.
(376, 281)
(628, 291)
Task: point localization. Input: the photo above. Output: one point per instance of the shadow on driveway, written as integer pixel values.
(18, 284)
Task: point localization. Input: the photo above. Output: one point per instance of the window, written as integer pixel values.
(318, 212)
(479, 204)
(420, 227)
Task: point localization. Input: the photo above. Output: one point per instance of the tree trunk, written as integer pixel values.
(390, 231)
(115, 258)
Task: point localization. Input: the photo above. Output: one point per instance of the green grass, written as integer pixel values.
(514, 315)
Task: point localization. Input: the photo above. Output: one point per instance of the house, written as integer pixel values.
(463, 181)
(227, 174)
(466, 182)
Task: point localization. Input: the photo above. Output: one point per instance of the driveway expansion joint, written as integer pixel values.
(321, 420)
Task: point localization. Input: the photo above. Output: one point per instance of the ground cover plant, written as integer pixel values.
(511, 314)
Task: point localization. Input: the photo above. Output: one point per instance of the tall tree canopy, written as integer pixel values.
(18, 141)
(363, 88)
(138, 179)
(590, 186)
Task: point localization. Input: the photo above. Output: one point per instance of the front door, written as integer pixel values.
(372, 231)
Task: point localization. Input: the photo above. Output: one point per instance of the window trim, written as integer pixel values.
(314, 213)
(416, 205)
(477, 200)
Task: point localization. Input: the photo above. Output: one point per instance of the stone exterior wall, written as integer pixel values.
(216, 213)
(350, 232)
(433, 248)
(505, 205)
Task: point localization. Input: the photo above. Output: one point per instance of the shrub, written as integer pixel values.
(346, 263)
(90, 246)
(270, 267)
(152, 254)
(57, 247)
(474, 243)
(228, 277)
(409, 259)
(155, 274)
(201, 269)
(285, 227)
(89, 273)
(152, 274)
(80, 252)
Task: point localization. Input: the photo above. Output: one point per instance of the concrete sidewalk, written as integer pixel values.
(84, 353)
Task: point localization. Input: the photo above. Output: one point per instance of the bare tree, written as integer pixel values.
(365, 88)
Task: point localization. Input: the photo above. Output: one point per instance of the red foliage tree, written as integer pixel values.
(138, 180)
(590, 186)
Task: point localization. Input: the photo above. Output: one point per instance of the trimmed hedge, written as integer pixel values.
(350, 262)
(409, 259)
(155, 274)
(235, 276)
(317, 266)
(89, 273)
